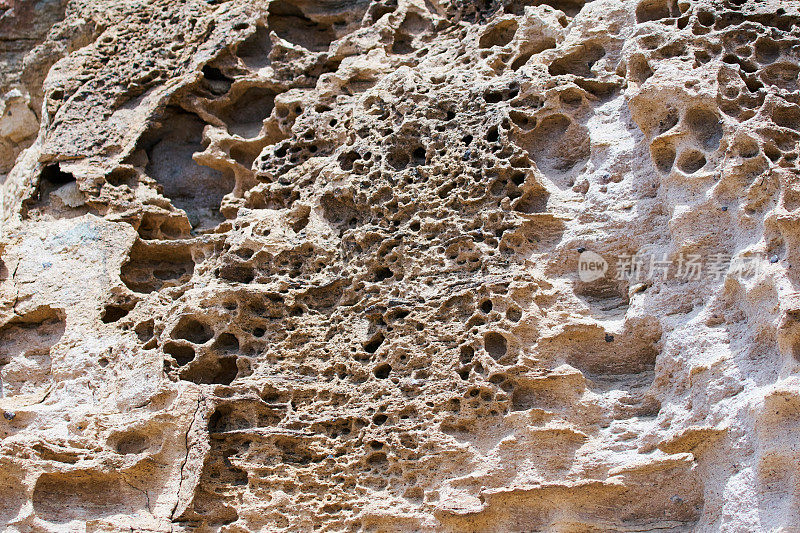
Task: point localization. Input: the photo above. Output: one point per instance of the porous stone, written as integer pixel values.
(316, 266)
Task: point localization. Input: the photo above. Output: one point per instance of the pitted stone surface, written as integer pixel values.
(314, 266)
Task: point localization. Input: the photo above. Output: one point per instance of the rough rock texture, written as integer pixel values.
(313, 265)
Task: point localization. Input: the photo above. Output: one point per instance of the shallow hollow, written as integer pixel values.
(556, 145)
(84, 495)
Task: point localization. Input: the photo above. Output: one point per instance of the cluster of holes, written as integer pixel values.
(704, 129)
(300, 146)
(192, 338)
(163, 226)
(154, 266)
(245, 266)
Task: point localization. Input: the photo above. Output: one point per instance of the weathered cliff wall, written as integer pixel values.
(400, 265)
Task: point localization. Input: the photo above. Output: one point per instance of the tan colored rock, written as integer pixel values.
(400, 266)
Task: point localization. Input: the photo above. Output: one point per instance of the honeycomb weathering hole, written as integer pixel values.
(112, 313)
(382, 371)
(495, 344)
(691, 161)
(132, 443)
(706, 127)
(650, 10)
(579, 62)
(373, 344)
(289, 22)
(219, 371)
(227, 343)
(151, 267)
(196, 189)
(787, 117)
(254, 51)
(663, 155)
(182, 353)
(192, 330)
(53, 175)
(246, 115)
(499, 35)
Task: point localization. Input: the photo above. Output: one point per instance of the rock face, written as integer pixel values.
(400, 265)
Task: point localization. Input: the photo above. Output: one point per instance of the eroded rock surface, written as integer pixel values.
(314, 266)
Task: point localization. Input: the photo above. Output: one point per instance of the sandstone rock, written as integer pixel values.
(315, 266)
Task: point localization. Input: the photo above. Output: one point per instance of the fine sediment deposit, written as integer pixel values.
(400, 265)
